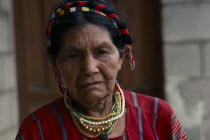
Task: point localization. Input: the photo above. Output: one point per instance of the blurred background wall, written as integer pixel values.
(185, 35)
(8, 86)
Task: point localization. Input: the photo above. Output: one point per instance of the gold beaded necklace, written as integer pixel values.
(92, 130)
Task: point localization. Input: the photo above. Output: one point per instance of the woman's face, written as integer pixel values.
(88, 62)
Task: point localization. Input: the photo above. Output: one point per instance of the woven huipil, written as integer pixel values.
(147, 118)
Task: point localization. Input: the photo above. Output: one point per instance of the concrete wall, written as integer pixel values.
(8, 88)
(186, 36)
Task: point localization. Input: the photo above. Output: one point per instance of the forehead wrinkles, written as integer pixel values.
(92, 35)
(86, 36)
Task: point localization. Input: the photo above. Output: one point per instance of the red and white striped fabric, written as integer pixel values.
(178, 132)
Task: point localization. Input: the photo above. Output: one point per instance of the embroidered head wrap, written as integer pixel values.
(88, 6)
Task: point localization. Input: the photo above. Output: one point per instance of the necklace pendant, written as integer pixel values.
(103, 137)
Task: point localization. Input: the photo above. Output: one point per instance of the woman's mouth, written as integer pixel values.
(92, 85)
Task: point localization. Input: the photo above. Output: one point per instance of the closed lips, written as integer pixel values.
(92, 83)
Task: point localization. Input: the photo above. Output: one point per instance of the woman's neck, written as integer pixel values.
(100, 109)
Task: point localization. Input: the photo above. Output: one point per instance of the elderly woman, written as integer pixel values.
(88, 44)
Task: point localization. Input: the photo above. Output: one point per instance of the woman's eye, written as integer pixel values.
(74, 56)
(102, 52)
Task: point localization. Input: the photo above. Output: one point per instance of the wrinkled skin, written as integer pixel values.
(89, 62)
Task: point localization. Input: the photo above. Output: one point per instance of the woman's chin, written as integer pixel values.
(92, 90)
(92, 95)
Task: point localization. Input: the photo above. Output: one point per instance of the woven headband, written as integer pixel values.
(80, 6)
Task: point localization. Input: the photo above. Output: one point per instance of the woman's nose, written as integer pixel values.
(89, 65)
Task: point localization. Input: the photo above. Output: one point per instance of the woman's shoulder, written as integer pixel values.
(148, 104)
(44, 114)
(44, 121)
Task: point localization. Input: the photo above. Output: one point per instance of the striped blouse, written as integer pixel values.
(147, 118)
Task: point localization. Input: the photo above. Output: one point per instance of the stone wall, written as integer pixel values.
(8, 88)
(186, 37)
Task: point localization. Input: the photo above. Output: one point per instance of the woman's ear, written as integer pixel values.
(126, 51)
(55, 71)
(124, 54)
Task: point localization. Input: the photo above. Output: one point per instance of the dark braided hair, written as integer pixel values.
(69, 20)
